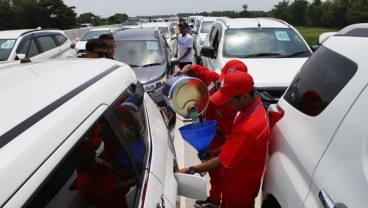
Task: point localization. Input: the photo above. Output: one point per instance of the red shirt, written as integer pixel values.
(223, 114)
(243, 157)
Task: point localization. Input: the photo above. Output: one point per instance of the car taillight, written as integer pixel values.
(275, 113)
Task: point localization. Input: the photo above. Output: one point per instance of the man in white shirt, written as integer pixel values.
(185, 47)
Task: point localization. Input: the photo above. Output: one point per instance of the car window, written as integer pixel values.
(105, 167)
(27, 47)
(94, 34)
(319, 81)
(206, 26)
(46, 42)
(139, 53)
(61, 38)
(6, 46)
(246, 42)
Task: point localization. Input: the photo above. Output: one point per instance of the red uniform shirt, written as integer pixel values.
(223, 114)
(243, 157)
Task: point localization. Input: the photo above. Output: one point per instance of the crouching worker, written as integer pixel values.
(243, 155)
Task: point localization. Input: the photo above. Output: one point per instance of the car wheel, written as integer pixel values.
(270, 202)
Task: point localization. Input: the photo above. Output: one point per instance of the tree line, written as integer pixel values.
(18, 14)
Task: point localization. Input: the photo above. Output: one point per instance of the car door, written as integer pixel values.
(341, 176)
(213, 40)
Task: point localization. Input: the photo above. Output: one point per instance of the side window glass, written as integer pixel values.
(319, 81)
(46, 43)
(61, 38)
(25, 45)
(212, 35)
(105, 167)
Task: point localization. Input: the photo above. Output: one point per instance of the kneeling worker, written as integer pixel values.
(243, 155)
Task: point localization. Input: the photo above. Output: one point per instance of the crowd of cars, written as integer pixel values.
(315, 99)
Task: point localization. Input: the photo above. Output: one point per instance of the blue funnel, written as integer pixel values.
(199, 135)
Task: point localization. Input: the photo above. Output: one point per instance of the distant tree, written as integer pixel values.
(358, 11)
(280, 11)
(314, 13)
(297, 11)
(117, 19)
(6, 15)
(245, 12)
(56, 14)
(91, 18)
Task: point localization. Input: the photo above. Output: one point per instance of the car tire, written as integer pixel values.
(269, 201)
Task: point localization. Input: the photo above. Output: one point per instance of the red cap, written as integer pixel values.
(235, 83)
(231, 66)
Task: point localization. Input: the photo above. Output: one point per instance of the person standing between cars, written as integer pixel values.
(223, 114)
(185, 47)
(242, 158)
(95, 49)
(109, 41)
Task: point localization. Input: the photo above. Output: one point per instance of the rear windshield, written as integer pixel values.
(94, 34)
(319, 81)
(6, 46)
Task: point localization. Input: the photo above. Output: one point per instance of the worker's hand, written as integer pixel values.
(187, 69)
(184, 170)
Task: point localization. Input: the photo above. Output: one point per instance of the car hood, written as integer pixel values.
(272, 72)
(149, 74)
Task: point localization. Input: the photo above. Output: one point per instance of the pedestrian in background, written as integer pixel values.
(109, 41)
(185, 47)
(243, 155)
(223, 114)
(95, 49)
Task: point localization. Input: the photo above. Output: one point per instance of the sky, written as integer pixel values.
(107, 8)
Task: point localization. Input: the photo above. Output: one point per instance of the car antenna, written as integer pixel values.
(259, 24)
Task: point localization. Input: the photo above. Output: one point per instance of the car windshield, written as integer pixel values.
(94, 34)
(264, 42)
(6, 46)
(139, 53)
(206, 26)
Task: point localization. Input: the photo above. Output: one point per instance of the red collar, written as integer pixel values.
(249, 110)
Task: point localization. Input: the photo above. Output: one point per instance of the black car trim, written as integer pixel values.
(27, 123)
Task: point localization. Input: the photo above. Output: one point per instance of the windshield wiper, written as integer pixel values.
(261, 55)
(152, 64)
(295, 54)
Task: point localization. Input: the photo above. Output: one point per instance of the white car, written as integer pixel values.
(319, 142)
(83, 133)
(170, 35)
(80, 45)
(272, 49)
(204, 25)
(35, 44)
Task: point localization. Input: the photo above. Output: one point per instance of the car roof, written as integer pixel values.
(136, 34)
(254, 22)
(26, 88)
(154, 24)
(13, 34)
(102, 28)
(204, 19)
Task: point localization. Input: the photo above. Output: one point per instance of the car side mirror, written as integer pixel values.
(314, 47)
(194, 31)
(20, 56)
(208, 51)
(174, 36)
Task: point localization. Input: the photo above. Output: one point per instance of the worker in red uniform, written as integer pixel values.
(223, 114)
(243, 155)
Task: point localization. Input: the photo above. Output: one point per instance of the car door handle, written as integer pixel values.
(326, 200)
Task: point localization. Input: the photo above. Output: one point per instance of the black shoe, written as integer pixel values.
(206, 204)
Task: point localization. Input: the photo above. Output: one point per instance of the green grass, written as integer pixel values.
(311, 34)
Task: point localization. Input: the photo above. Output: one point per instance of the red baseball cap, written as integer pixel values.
(235, 83)
(231, 66)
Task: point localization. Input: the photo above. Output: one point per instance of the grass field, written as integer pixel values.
(311, 34)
